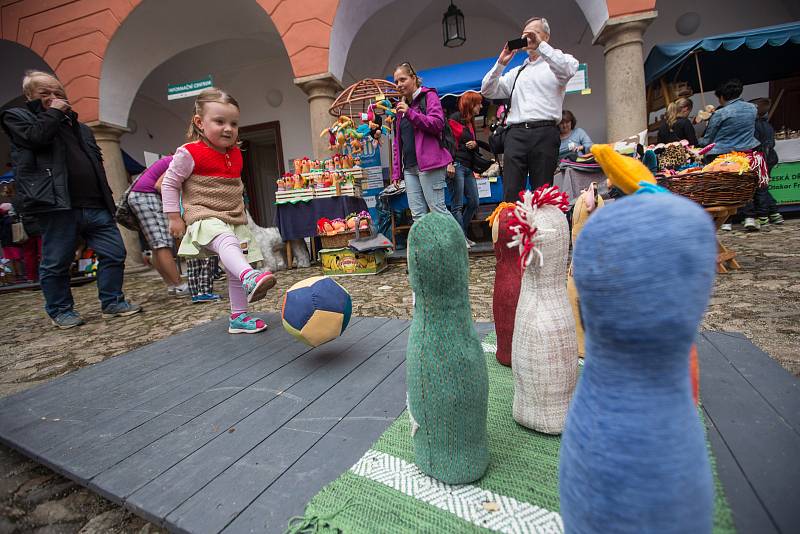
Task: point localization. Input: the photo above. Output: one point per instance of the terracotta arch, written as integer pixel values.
(73, 37)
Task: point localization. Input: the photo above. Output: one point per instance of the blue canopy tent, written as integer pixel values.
(455, 80)
(753, 56)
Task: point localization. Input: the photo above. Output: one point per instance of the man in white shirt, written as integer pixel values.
(532, 140)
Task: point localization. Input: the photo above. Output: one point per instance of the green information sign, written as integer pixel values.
(784, 182)
(187, 89)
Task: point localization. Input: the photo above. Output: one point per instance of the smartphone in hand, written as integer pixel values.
(516, 44)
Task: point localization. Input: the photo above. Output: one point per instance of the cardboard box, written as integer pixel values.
(344, 261)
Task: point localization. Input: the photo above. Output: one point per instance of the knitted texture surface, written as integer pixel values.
(507, 281)
(633, 454)
(544, 351)
(445, 368)
(523, 467)
(214, 188)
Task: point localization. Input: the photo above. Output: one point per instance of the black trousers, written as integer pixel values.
(531, 151)
(762, 205)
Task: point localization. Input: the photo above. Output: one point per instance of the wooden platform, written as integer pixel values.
(207, 432)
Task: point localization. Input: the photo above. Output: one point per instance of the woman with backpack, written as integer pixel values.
(420, 155)
(460, 177)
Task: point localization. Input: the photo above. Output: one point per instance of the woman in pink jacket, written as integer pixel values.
(419, 156)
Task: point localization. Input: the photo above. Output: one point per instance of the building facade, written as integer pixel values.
(285, 60)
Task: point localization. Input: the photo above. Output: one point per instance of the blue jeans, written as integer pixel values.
(425, 191)
(462, 184)
(60, 231)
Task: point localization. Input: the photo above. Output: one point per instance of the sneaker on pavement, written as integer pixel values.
(750, 225)
(205, 297)
(470, 243)
(241, 323)
(776, 218)
(256, 283)
(179, 291)
(67, 319)
(763, 221)
(727, 227)
(121, 309)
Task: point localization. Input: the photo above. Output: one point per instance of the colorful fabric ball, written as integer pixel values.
(316, 310)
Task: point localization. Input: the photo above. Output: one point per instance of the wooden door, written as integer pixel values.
(263, 165)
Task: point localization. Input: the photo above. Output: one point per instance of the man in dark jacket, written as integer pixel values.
(60, 179)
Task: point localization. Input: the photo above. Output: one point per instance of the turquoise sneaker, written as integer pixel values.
(205, 297)
(244, 324)
(256, 283)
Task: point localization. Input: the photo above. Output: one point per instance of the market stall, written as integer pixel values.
(679, 69)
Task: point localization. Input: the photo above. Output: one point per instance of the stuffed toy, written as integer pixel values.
(447, 381)
(544, 350)
(507, 280)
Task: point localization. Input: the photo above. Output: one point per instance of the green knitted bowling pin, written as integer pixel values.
(448, 386)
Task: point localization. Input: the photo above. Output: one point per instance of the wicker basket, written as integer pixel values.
(713, 188)
(337, 240)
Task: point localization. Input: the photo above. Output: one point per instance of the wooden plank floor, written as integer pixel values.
(206, 432)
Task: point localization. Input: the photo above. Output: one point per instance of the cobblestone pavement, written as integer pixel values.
(761, 300)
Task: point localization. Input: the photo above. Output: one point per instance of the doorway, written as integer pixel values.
(263, 165)
(787, 113)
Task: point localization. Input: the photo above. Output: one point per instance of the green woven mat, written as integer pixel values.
(524, 467)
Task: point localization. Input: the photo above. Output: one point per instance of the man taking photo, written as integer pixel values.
(60, 179)
(532, 139)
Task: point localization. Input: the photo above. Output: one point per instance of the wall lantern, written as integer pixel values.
(453, 27)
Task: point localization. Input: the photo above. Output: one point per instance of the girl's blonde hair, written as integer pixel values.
(675, 107)
(212, 94)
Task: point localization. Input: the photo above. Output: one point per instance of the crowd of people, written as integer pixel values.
(192, 201)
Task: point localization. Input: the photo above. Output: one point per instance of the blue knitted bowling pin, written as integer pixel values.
(633, 454)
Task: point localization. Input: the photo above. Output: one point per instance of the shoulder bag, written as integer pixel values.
(497, 139)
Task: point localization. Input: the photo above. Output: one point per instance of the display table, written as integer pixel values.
(400, 203)
(572, 181)
(784, 184)
(299, 220)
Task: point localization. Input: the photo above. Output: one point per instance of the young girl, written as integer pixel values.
(207, 173)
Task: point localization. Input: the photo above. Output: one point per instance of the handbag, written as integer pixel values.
(369, 243)
(124, 213)
(480, 164)
(497, 139)
(18, 233)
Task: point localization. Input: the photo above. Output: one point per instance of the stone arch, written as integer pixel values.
(352, 15)
(150, 36)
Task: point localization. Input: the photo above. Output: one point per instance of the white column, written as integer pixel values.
(321, 90)
(626, 104)
(107, 137)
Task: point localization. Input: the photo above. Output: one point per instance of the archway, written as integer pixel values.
(16, 60)
(158, 45)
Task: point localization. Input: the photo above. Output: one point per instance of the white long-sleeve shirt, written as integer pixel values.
(539, 93)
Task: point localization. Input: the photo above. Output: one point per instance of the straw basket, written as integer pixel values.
(713, 188)
(337, 240)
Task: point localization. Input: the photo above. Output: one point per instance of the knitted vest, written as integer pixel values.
(215, 187)
(544, 351)
(633, 455)
(508, 277)
(448, 385)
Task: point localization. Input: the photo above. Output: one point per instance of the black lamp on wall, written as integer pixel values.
(453, 29)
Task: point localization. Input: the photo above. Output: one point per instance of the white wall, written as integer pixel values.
(247, 70)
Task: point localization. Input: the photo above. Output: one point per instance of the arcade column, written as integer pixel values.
(321, 90)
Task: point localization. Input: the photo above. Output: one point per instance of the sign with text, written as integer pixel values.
(784, 183)
(579, 84)
(187, 89)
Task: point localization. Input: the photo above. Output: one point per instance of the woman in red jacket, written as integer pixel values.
(460, 178)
